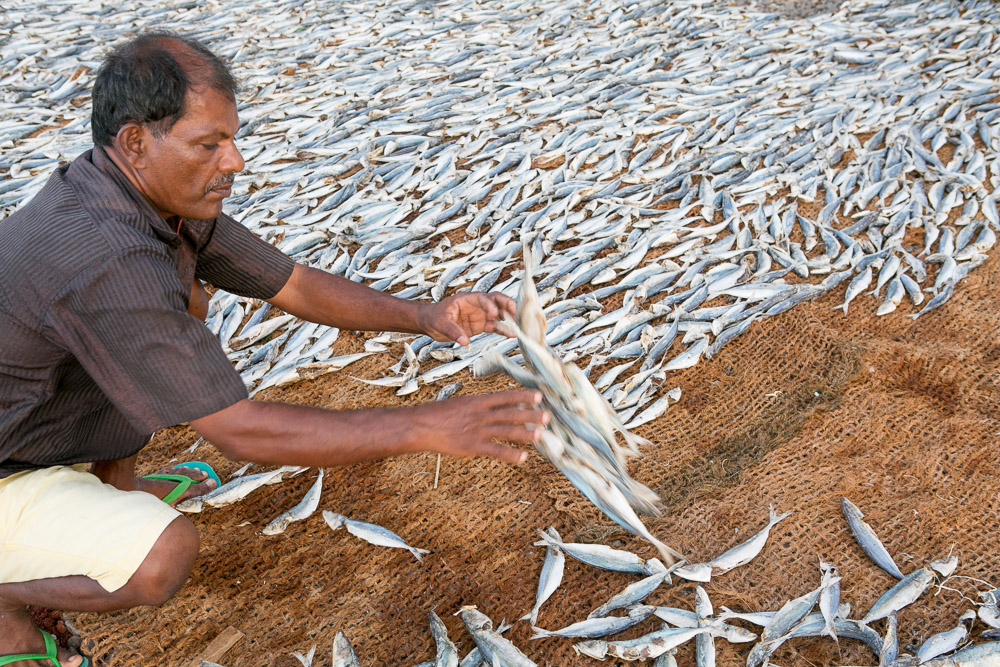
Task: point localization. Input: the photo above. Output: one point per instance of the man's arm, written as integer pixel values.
(279, 433)
(318, 296)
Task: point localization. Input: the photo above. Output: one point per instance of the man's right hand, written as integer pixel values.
(469, 425)
(283, 434)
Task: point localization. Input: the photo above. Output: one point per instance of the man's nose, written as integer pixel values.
(232, 161)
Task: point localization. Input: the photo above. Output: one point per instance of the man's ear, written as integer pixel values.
(132, 142)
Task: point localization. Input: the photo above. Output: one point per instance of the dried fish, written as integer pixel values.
(343, 652)
(371, 532)
(866, 537)
(303, 510)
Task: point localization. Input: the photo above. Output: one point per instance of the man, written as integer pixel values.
(98, 349)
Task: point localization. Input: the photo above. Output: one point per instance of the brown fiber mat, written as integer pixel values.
(900, 416)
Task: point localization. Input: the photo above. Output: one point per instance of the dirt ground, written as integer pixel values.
(900, 416)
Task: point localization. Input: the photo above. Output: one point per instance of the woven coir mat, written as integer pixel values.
(900, 416)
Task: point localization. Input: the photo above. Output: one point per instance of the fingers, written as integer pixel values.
(468, 314)
(505, 303)
(510, 398)
(518, 416)
(453, 331)
(488, 304)
(501, 328)
(518, 433)
(502, 453)
(501, 304)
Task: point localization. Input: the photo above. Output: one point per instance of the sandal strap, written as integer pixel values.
(183, 483)
(51, 653)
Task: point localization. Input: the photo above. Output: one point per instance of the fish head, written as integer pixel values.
(333, 519)
(944, 566)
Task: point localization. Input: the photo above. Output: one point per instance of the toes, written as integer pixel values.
(193, 473)
(71, 661)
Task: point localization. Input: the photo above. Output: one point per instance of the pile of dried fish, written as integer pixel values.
(717, 164)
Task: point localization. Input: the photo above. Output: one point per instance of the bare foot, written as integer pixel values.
(161, 487)
(18, 634)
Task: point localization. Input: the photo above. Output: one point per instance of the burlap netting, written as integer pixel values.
(900, 416)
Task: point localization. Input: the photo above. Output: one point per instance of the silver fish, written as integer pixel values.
(599, 626)
(303, 510)
(494, 648)
(947, 641)
(447, 653)
(232, 491)
(372, 533)
(633, 593)
(704, 643)
(550, 578)
(343, 653)
(867, 538)
(911, 587)
(643, 648)
(743, 553)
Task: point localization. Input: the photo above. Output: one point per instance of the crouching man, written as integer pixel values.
(98, 350)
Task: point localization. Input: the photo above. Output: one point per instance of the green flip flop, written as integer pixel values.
(51, 653)
(183, 481)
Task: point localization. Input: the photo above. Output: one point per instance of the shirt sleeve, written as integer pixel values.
(238, 261)
(125, 321)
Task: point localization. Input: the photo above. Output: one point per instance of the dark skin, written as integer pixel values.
(188, 172)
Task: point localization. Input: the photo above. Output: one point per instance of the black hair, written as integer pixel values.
(147, 79)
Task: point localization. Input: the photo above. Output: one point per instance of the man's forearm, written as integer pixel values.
(318, 296)
(279, 433)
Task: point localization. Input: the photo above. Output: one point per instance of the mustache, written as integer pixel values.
(222, 181)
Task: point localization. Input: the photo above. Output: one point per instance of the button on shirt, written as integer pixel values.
(97, 350)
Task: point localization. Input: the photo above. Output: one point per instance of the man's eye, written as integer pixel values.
(210, 147)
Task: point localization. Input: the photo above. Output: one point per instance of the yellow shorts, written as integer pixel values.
(60, 521)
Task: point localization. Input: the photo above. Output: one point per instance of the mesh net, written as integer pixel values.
(898, 415)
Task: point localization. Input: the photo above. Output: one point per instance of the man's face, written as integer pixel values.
(190, 170)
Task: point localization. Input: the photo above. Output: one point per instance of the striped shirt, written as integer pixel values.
(97, 350)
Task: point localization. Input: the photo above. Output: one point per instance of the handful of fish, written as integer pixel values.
(581, 439)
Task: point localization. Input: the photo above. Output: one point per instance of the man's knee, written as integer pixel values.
(167, 566)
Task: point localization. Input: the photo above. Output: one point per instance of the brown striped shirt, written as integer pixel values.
(97, 350)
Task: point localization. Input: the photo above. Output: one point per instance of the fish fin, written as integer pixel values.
(775, 517)
(670, 556)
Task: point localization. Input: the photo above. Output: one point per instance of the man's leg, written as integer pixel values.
(160, 575)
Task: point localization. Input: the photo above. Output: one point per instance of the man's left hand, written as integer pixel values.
(465, 314)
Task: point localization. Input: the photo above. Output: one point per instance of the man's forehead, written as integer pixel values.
(208, 112)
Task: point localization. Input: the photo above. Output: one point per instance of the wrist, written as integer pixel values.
(422, 318)
(417, 425)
